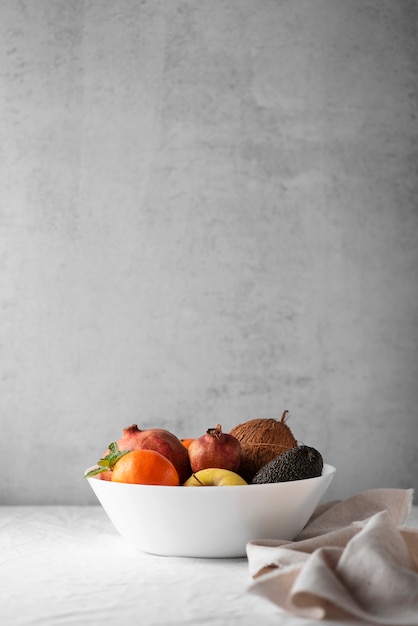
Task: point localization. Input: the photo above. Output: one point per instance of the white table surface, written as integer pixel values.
(66, 565)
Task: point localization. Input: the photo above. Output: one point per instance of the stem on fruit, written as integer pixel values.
(199, 481)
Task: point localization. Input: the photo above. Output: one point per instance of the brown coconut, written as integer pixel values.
(262, 439)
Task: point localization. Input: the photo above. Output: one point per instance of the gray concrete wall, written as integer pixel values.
(208, 214)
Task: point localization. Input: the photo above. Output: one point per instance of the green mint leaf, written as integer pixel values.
(95, 471)
(107, 462)
(114, 455)
(113, 448)
(104, 463)
(118, 456)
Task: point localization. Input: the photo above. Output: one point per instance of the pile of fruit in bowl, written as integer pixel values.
(270, 487)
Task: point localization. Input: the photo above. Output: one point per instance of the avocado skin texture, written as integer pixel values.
(295, 464)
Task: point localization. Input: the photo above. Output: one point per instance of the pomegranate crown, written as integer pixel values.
(215, 432)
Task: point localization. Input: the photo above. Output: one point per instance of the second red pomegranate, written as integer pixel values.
(215, 449)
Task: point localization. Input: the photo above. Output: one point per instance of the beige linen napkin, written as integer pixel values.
(352, 560)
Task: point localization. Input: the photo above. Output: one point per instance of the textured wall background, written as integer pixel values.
(208, 213)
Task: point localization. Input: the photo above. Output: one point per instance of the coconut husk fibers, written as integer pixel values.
(262, 439)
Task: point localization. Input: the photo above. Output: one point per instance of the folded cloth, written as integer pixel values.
(352, 560)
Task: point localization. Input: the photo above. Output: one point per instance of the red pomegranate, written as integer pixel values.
(215, 449)
(163, 441)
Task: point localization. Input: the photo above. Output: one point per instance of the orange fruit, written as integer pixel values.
(145, 467)
(186, 442)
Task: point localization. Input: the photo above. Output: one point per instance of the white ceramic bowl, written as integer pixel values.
(209, 521)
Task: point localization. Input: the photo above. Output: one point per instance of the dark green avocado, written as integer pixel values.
(295, 464)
